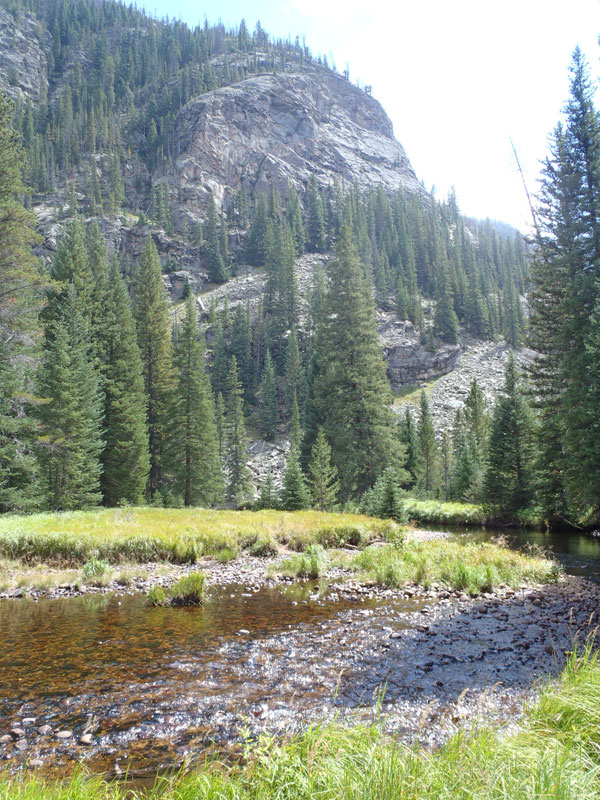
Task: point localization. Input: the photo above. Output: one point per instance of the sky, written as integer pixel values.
(459, 79)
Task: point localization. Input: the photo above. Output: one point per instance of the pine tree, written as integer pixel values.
(323, 480)
(219, 368)
(294, 494)
(295, 429)
(194, 442)
(351, 390)
(292, 371)
(125, 458)
(154, 341)
(239, 484)
(410, 441)
(511, 457)
(217, 270)
(566, 289)
(315, 227)
(267, 496)
(268, 405)
(445, 320)
(427, 446)
(21, 288)
(70, 414)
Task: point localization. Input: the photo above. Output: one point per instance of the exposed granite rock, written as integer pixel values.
(23, 65)
(277, 129)
(407, 360)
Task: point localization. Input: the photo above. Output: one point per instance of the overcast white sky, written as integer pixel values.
(458, 78)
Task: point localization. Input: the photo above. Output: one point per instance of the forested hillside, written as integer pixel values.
(117, 391)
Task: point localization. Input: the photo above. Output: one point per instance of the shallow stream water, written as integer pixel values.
(158, 687)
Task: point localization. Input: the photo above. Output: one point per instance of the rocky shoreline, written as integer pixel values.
(425, 664)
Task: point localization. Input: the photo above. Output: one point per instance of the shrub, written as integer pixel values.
(188, 591)
(95, 569)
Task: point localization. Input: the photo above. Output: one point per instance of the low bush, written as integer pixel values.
(188, 591)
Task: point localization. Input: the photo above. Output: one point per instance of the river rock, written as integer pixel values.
(44, 730)
(64, 734)
(6, 738)
(17, 733)
(86, 738)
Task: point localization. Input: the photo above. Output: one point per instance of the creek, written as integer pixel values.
(160, 687)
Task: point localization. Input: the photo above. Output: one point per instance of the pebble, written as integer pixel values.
(64, 734)
(86, 738)
(17, 733)
(44, 730)
(6, 738)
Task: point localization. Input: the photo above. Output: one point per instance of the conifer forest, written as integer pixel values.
(209, 306)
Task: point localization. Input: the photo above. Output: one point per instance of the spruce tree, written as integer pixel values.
(351, 391)
(21, 288)
(70, 414)
(219, 367)
(410, 441)
(295, 429)
(267, 496)
(511, 456)
(316, 234)
(239, 484)
(293, 374)
(125, 458)
(194, 442)
(268, 405)
(294, 494)
(217, 269)
(427, 446)
(154, 341)
(323, 480)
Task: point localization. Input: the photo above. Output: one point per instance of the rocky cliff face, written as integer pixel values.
(281, 129)
(22, 59)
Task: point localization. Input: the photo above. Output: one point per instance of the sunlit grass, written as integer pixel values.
(141, 535)
(436, 512)
(467, 566)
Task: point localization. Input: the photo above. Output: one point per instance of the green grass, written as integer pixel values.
(187, 591)
(141, 535)
(467, 566)
(554, 756)
(434, 512)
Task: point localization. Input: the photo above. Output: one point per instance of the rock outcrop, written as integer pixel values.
(23, 62)
(281, 129)
(408, 361)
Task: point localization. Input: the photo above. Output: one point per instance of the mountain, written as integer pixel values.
(243, 156)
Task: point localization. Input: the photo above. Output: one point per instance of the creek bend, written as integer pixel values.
(159, 687)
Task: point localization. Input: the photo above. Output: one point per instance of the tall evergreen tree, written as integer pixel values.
(125, 458)
(511, 458)
(217, 269)
(239, 484)
(268, 405)
(566, 288)
(351, 391)
(194, 442)
(427, 446)
(323, 480)
(154, 341)
(294, 494)
(21, 288)
(70, 414)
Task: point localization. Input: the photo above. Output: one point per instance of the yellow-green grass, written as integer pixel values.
(467, 566)
(437, 512)
(555, 755)
(142, 535)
